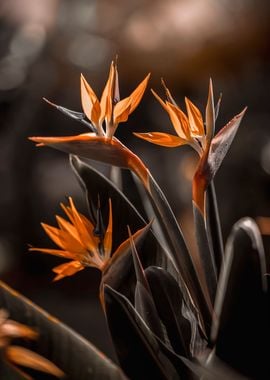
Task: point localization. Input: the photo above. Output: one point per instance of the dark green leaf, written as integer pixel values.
(216, 370)
(70, 352)
(179, 251)
(241, 325)
(137, 348)
(168, 299)
(144, 303)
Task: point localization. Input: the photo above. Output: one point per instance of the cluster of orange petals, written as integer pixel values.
(189, 127)
(110, 108)
(18, 355)
(77, 241)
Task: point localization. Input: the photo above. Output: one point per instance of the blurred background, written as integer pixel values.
(45, 45)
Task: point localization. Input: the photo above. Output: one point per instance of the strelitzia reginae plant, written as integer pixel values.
(170, 316)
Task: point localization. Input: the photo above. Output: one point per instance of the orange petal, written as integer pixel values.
(195, 118)
(66, 226)
(108, 235)
(106, 98)
(179, 121)
(163, 139)
(210, 115)
(26, 358)
(137, 94)
(64, 139)
(90, 103)
(55, 252)
(163, 104)
(67, 269)
(63, 239)
(86, 236)
(121, 111)
(14, 329)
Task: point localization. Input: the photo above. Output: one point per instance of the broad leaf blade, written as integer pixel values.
(168, 299)
(70, 352)
(137, 348)
(182, 258)
(241, 328)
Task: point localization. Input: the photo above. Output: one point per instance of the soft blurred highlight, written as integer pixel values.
(45, 45)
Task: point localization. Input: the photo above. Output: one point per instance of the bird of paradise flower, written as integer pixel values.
(82, 242)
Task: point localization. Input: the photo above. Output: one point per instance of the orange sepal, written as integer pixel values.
(14, 329)
(179, 121)
(90, 103)
(106, 104)
(163, 139)
(67, 269)
(26, 358)
(136, 96)
(121, 111)
(195, 119)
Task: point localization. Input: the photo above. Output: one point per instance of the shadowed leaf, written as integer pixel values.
(181, 256)
(137, 348)
(242, 319)
(144, 303)
(66, 349)
(216, 371)
(168, 299)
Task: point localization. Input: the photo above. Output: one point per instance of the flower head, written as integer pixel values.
(110, 109)
(191, 130)
(82, 242)
(105, 115)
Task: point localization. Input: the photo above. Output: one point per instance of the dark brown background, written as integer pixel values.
(45, 45)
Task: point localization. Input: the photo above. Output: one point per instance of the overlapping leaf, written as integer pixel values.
(70, 352)
(240, 330)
